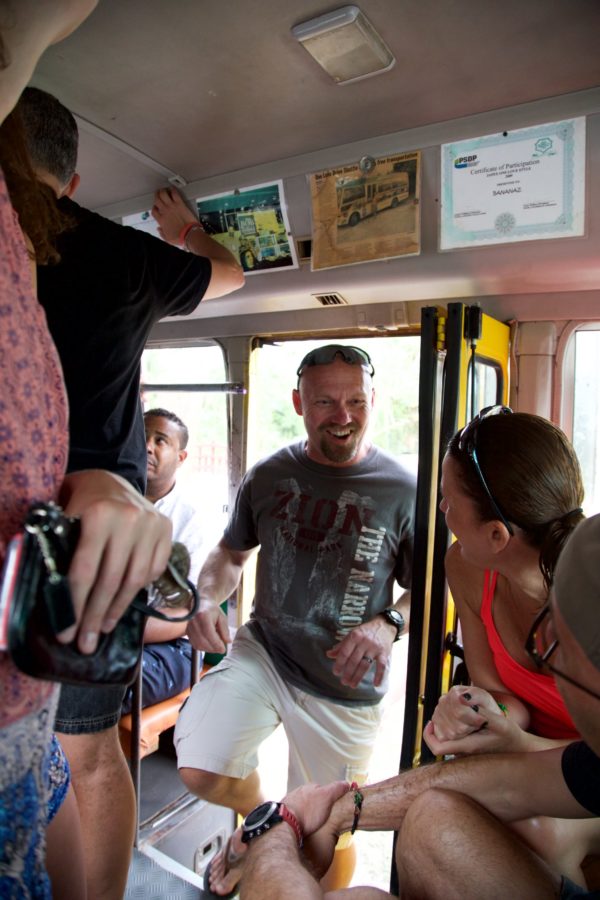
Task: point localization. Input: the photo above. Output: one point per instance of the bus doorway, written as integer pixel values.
(394, 427)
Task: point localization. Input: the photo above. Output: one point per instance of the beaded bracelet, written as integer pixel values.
(358, 801)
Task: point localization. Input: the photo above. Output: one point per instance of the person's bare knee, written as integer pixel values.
(240, 794)
(442, 829)
(106, 801)
(208, 785)
(91, 756)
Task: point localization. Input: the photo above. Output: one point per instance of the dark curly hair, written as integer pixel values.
(533, 474)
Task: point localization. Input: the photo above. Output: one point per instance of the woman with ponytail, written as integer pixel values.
(511, 494)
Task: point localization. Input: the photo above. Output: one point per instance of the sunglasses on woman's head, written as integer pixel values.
(467, 442)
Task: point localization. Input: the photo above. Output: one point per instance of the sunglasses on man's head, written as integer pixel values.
(323, 356)
(467, 442)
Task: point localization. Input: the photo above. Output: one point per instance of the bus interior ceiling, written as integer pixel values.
(222, 96)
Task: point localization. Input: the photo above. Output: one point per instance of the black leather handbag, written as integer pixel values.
(36, 594)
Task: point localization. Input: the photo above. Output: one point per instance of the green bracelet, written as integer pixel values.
(504, 709)
(358, 802)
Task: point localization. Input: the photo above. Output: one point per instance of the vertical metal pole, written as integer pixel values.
(134, 750)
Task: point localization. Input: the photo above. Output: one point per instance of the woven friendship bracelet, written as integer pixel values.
(358, 802)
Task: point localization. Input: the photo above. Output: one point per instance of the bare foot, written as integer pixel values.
(227, 866)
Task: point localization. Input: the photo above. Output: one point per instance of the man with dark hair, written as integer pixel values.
(159, 413)
(111, 286)
(453, 817)
(167, 654)
(334, 518)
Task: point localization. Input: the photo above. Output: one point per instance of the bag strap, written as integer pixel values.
(148, 610)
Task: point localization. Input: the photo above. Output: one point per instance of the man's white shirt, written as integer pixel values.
(187, 527)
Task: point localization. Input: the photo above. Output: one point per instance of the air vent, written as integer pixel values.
(330, 299)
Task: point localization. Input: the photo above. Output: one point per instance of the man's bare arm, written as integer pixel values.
(28, 28)
(218, 579)
(511, 786)
(172, 215)
(274, 867)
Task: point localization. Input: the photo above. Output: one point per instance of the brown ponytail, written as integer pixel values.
(34, 203)
(533, 474)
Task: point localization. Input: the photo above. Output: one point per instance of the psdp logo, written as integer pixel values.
(464, 162)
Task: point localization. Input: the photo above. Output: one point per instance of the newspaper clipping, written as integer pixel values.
(360, 217)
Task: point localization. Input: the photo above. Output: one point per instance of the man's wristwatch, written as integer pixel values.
(265, 816)
(394, 617)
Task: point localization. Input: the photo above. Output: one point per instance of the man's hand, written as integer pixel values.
(171, 213)
(311, 803)
(124, 545)
(366, 644)
(209, 630)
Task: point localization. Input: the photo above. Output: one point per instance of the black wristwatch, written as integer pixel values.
(265, 816)
(396, 618)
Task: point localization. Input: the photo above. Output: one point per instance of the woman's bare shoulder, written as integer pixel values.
(464, 579)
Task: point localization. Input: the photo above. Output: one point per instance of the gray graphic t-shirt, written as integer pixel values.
(332, 543)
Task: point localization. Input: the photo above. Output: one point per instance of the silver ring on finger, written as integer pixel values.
(368, 659)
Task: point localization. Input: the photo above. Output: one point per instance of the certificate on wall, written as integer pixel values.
(520, 185)
(360, 216)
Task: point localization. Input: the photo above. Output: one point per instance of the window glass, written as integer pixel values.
(488, 385)
(204, 474)
(586, 414)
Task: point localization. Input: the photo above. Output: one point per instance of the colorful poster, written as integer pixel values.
(253, 224)
(365, 212)
(520, 185)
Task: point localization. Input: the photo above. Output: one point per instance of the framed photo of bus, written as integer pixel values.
(252, 223)
(364, 213)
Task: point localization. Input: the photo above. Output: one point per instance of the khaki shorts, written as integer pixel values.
(240, 702)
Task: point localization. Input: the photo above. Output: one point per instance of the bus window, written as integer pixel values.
(205, 473)
(586, 414)
(488, 386)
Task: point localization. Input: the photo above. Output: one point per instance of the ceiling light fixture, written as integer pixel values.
(345, 44)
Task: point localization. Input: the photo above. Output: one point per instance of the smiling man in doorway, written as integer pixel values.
(334, 518)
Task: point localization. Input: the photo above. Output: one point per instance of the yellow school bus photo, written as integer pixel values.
(363, 197)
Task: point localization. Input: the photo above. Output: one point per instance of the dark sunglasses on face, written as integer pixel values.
(467, 443)
(323, 356)
(540, 648)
